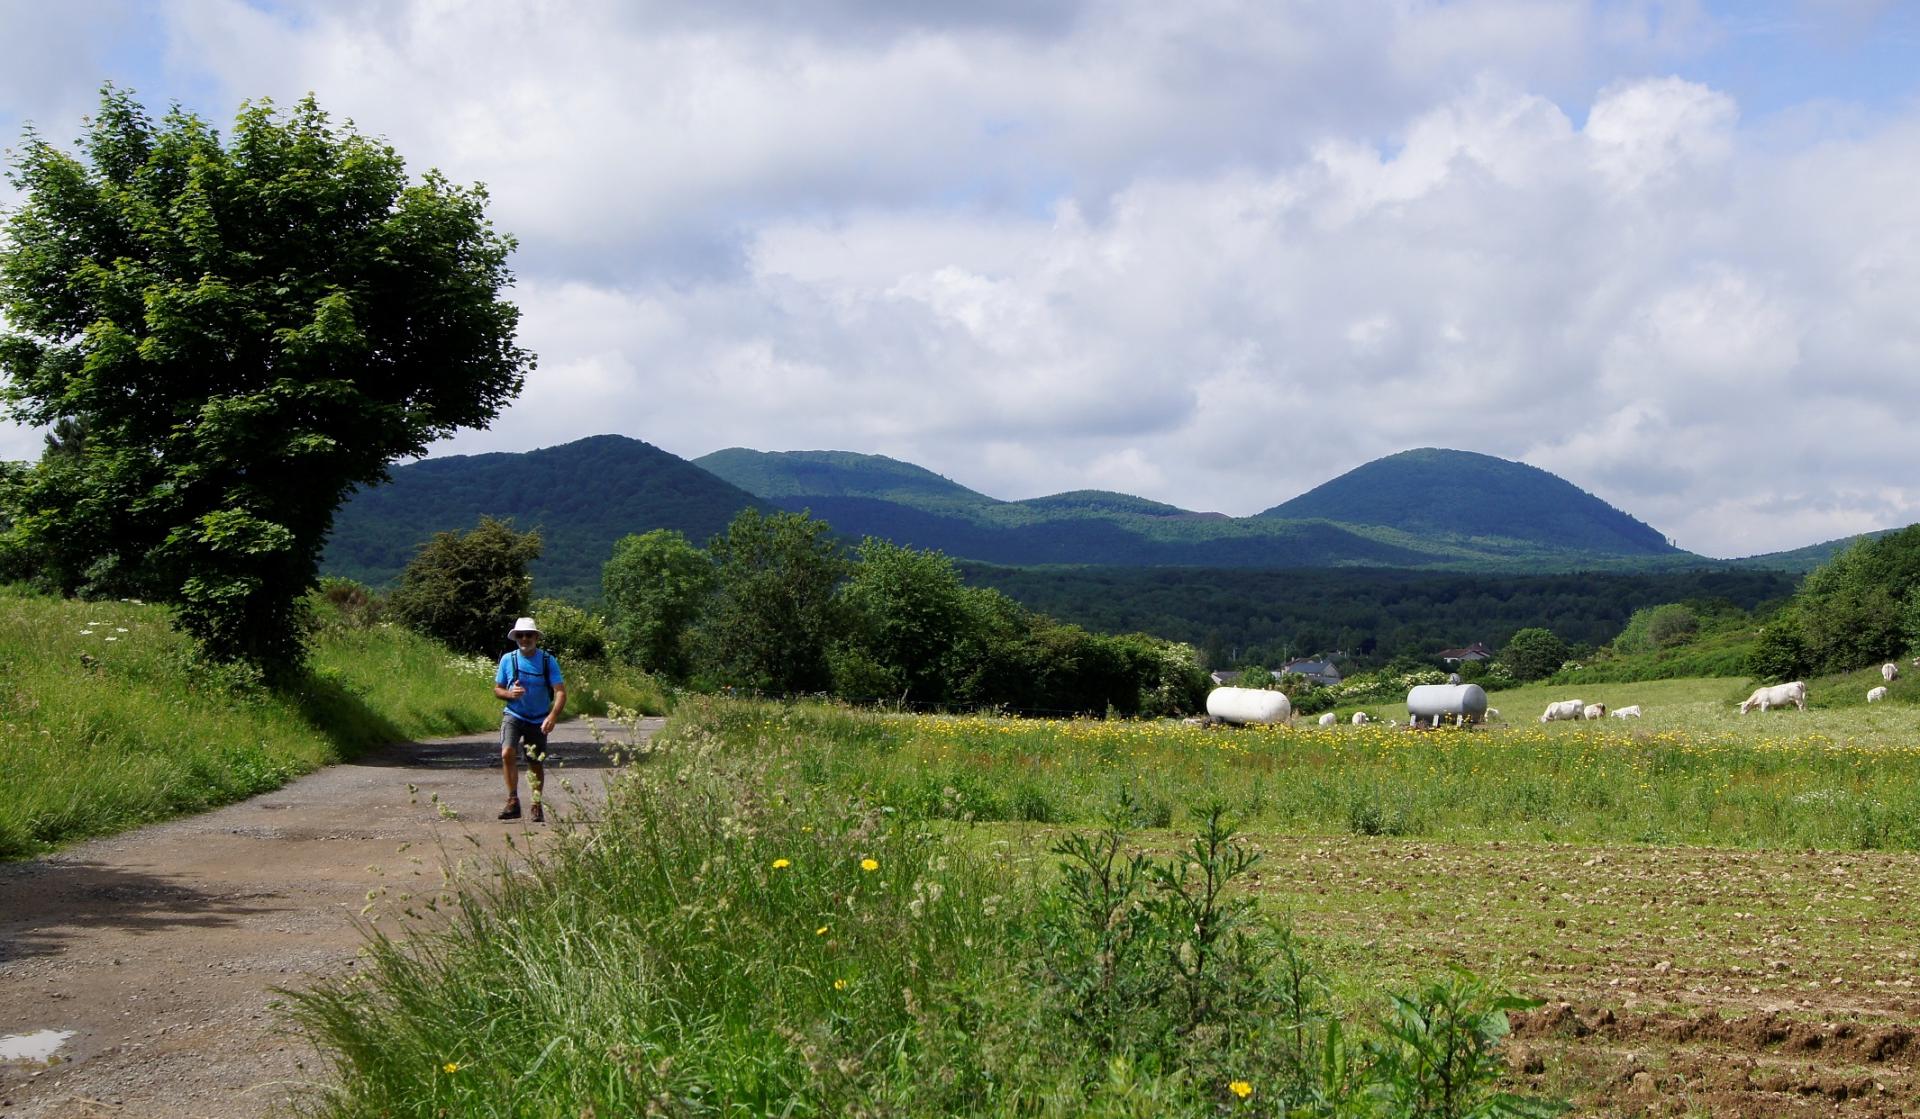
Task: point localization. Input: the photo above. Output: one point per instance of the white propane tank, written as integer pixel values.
(1426, 703)
(1249, 705)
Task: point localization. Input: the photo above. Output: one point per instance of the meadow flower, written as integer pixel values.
(869, 864)
(450, 1067)
(839, 984)
(1240, 1088)
(782, 864)
(821, 931)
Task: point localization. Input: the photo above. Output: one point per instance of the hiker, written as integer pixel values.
(530, 681)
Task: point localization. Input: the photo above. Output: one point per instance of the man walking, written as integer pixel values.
(530, 681)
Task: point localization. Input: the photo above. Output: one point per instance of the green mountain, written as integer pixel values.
(1422, 509)
(797, 475)
(1803, 560)
(582, 496)
(1463, 497)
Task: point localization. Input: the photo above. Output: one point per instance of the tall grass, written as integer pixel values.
(729, 939)
(1691, 771)
(109, 720)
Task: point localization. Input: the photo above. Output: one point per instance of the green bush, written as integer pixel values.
(569, 632)
(466, 589)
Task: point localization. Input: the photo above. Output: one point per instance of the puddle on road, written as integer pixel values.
(36, 1046)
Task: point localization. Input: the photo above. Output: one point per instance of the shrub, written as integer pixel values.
(569, 632)
(466, 589)
(1534, 654)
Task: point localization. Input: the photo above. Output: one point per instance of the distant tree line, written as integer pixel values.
(1369, 615)
(776, 605)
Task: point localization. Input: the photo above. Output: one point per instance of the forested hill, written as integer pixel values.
(1421, 509)
(1803, 560)
(582, 496)
(785, 475)
(1462, 494)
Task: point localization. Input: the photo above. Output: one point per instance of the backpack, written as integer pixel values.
(546, 667)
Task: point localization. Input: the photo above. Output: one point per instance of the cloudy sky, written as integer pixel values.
(1210, 253)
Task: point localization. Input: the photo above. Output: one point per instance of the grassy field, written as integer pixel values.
(108, 720)
(1716, 909)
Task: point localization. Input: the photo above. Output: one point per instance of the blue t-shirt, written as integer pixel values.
(538, 674)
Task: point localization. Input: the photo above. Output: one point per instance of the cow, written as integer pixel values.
(1593, 711)
(1360, 719)
(1629, 712)
(1889, 672)
(1877, 694)
(1779, 695)
(1492, 714)
(1565, 709)
(1329, 719)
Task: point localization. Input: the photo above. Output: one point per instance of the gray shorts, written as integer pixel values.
(528, 736)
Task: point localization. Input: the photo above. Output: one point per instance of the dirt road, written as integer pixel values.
(159, 949)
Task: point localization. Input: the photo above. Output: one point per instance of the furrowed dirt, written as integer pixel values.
(1679, 981)
(161, 948)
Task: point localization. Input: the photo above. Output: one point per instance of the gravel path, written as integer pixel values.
(160, 948)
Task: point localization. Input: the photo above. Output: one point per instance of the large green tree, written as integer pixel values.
(245, 328)
(655, 586)
(772, 616)
(905, 622)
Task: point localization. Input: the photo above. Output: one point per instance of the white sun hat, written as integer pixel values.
(524, 625)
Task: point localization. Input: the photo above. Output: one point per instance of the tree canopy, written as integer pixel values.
(244, 329)
(1533, 654)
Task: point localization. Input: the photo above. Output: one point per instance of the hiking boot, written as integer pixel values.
(539, 814)
(512, 810)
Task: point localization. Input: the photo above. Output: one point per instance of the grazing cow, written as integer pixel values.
(1630, 712)
(1565, 709)
(1360, 719)
(1877, 694)
(1889, 672)
(1492, 714)
(1779, 695)
(1329, 719)
(1593, 711)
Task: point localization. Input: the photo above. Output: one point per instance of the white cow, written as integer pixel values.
(1360, 719)
(1565, 709)
(1632, 711)
(1877, 694)
(1889, 672)
(1329, 719)
(1779, 695)
(1593, 711)
(1492, 714)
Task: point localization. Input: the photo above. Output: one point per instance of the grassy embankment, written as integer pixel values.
(108, 720)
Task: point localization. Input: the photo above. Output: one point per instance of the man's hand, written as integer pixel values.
(546, 724)
(516, 689)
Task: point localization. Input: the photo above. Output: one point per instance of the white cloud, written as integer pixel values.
(1212, 254)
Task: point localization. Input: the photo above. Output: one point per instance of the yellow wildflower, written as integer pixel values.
(450, 1067)
(839, 984)
(869, 864)
(782, 864)
(1240, 1088)
(821, 931)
